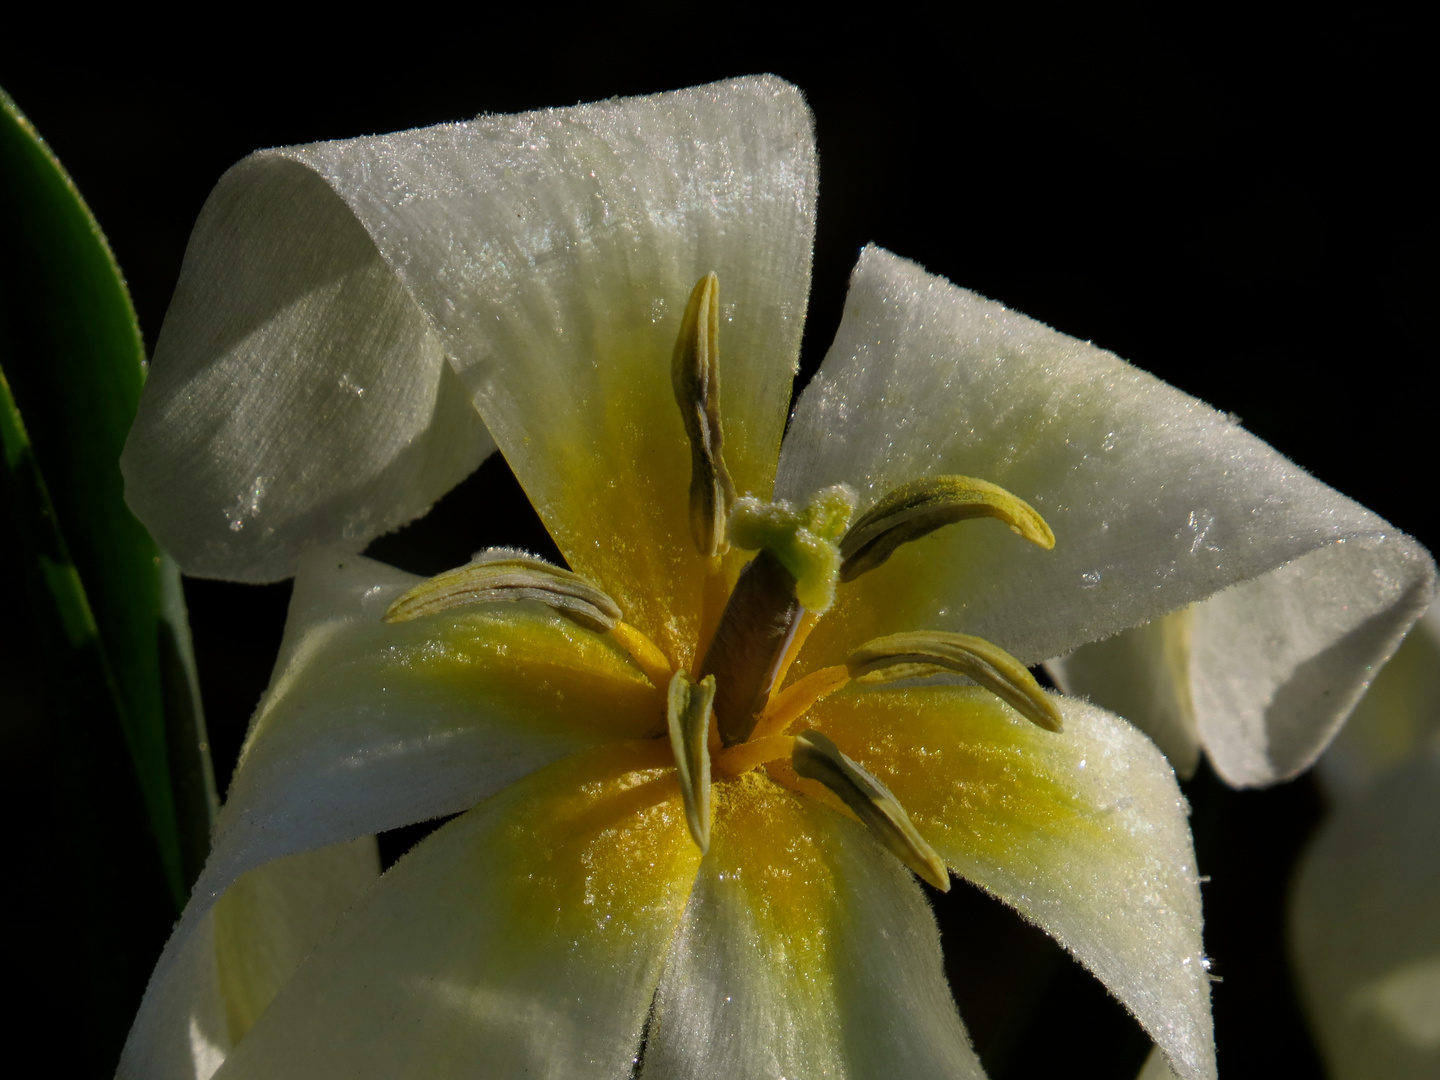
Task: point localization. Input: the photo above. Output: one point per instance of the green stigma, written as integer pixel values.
(806, 542)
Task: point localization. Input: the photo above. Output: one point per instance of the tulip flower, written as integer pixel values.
(696, 769)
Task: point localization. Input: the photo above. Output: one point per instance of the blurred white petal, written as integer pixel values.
(1365, 927)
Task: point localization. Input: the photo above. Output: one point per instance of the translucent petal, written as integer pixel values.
(240, 956)
(1083, 832)
(1144, 675)
(1156, 1067)
(1398, 715)
(367, 726)
(1365, 928)
(297, 395)
(524, 938)
(1155, 499)
(806, 950)
(275, 915)
(553, 253)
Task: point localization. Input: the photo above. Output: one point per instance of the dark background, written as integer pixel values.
(1235, 207)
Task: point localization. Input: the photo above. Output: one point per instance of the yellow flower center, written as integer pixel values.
(737, 714)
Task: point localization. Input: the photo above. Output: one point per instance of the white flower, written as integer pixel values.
(341, 308)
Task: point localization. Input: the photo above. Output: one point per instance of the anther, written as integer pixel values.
(920, 507)
(918, 654)
(502, 575)
(817, 758)
(687, 715)
(695, 376)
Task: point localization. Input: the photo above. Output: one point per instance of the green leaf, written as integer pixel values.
(71, 350)
(91, 882)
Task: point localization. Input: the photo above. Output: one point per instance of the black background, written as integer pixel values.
(1232, 206)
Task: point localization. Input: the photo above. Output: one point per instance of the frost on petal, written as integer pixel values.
(1084, 832)
(1142, 674)
(297, 394)
(524, 938)
(549, 256)
(805, 950)
(368, 726)
(1156, 501)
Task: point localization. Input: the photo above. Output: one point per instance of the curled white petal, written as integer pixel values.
(297, 394)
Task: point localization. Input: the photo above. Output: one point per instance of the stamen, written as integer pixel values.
(915, 655)
(817, 758)
(695, 376)
(795, 701)
(749, 644)
(808, 622)
(736, 760)
(644, 652)
(920, 507)
(714, 594)
(687, 715)
(504, 574)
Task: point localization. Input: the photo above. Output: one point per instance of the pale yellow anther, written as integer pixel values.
(931, 652)
(815, 757)
(920, 507)
(503, 575)
(796, 700)
(644, 652)
(695, 377)
(687, 716)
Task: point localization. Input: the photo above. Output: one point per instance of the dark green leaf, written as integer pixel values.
(71, 350)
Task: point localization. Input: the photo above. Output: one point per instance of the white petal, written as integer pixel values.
(212, 991)
(1398, 715)
(1084, 832)
(523, 939)
(552, 253)
(1365, 928)
(274, 916)
(297, 394)
(1143, 675)
(1156, 500)
(805, 950)
(367, 726)
(181, 1032)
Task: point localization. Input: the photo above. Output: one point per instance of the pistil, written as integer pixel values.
(750, 643)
